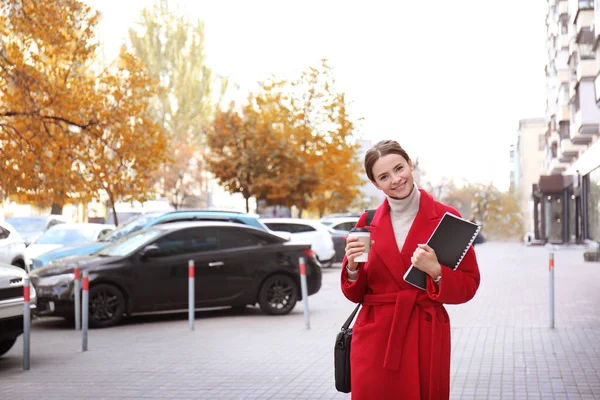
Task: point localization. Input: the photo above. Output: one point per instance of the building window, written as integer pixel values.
(586, 4)
(593, 204)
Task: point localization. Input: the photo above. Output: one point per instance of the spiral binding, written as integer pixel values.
(469, 245)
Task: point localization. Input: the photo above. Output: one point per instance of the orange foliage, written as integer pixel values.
(67, 128)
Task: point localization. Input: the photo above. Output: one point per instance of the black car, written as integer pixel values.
(235, 264)
(339, 244)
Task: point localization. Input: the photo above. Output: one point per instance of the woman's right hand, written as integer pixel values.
(354, 248)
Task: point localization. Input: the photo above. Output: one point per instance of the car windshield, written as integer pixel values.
(327, 223)
(27, 224)
(66, 235)
(133, 225)
(128, 244)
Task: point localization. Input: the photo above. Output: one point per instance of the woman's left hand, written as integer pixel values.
(424, 258)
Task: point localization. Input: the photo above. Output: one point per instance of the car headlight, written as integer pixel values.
(56, 280)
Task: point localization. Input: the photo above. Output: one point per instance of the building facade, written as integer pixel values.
(527, 158)
(566, 196)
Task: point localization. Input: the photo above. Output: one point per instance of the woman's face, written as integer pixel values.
(393, 175)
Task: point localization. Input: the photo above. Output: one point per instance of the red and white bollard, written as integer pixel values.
(77, 292)
(26, 323)
(85, 311)
(304, 288)
(191, 308)
(551, 284)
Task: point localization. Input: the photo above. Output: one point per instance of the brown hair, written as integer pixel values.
(382, 148)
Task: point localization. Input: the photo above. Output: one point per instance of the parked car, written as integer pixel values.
(306, 231)
(340, 223)
(30, 227)
(147, 271)
(68, 234)
(12, 305)
(145, 221)
(12, 246)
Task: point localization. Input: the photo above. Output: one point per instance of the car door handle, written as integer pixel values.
(216, 264)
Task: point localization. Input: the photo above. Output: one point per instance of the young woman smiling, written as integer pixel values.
(401, 338)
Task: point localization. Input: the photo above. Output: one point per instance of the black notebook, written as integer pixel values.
(451, 240)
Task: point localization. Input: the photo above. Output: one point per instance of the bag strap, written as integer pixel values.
(370, 215)
(351, 317)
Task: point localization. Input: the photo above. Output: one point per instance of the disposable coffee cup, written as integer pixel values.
(364, 236)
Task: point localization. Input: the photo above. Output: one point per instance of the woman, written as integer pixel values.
(401, 337)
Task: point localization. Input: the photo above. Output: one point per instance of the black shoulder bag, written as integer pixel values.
(343, 341)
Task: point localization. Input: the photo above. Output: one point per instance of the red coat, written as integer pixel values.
(401, 337)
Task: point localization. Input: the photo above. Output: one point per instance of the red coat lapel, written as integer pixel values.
(385, 242)
(386, 248)
(423, 226)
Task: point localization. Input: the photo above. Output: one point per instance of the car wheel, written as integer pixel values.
(327, 264)
(6, 345)
(107, 305)
(278, 295)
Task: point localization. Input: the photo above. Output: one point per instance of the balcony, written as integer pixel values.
(569, 152)
(563, 7)
(564, 114)
(563, 76)
(597, 23)
(583, 132)
(597, 89)
(586, 68)
(584, 20)
(563, 41)
(556, 167)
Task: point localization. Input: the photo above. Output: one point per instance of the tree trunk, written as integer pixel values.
(247, 204)
(112, 206)
(57, 209)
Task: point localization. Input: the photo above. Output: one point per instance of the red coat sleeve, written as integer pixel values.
(457, 286)
(355, 291)
(460, 285)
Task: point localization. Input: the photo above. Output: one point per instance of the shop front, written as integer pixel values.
(554, 210)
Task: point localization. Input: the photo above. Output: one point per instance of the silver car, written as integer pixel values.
(12, 246)
(12, 305)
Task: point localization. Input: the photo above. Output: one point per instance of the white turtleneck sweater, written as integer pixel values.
(403, 213)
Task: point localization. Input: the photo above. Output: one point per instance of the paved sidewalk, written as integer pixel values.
(502, 346)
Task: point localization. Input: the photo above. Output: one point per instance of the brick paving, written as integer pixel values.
(502, 347)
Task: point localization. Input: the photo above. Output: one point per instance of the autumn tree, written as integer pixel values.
(172, 48)
(234, 156)
(290, 145)
(284, 171)
(323, 169)
(497, 211)
(339, 183)
(68, 128)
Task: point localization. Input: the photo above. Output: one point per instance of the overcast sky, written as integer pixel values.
(448, 80)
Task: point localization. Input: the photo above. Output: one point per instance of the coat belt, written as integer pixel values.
(408, 304)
